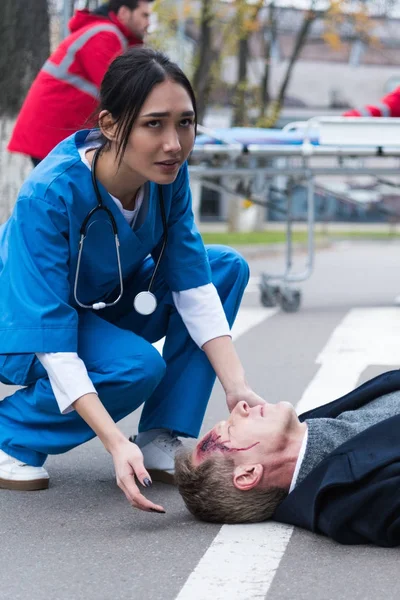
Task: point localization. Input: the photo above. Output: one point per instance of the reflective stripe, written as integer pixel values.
(75, 80)
(61, 71)
(384, 108)
(381, 106)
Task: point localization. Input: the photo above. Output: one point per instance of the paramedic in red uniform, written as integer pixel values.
(389, 106)
(64, 93)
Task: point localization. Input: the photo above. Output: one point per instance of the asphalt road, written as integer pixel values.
(80, 540)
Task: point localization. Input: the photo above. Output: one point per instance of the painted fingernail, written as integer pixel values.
(162, 512)
(147, 482)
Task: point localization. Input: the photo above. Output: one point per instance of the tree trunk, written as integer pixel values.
(204, 59)
(24, 43)
(300, 41)
(246, 18)
(276, 106)
(239, 113)
(265, 93)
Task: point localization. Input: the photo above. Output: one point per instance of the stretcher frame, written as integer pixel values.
(340, 141)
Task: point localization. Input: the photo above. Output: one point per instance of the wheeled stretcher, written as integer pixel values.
(300, 152)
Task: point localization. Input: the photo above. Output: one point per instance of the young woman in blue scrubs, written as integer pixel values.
(86, 368)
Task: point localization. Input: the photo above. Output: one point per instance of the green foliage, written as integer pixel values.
(279, 237)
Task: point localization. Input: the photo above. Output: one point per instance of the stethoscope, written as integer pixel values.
(145, 303)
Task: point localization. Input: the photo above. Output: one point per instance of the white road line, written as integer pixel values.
(245, 320)
(248, 318)
(366, 336)
(253, 285)
(252, 289)
(254, 280)
(241, 562)
(239, 565)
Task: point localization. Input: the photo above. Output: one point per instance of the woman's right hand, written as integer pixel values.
(127, 457)
(128, 463)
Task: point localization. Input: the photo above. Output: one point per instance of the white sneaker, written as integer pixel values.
(17, 475)
(159, 456)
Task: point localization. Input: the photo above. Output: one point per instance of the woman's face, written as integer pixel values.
(163, 134)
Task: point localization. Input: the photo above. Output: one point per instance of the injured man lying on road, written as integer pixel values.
(333, 470)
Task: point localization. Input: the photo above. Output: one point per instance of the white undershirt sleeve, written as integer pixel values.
(202, 312)
(68, 377)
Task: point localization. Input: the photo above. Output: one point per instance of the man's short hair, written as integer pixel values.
(115, 5)
(210, 495)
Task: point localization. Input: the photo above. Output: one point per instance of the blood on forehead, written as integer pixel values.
(212, 442)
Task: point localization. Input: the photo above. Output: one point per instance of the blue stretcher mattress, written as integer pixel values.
(254, 135)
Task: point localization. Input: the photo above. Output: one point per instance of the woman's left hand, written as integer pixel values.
(222, 355)
(247, 395)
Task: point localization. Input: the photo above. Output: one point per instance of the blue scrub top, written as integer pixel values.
(39, 250)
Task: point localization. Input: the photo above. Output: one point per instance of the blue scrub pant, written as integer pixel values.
(126, 370)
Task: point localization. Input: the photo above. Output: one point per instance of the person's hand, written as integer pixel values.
(128, 463)
(247, 394)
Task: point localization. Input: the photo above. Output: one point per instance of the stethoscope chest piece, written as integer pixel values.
(145, 303)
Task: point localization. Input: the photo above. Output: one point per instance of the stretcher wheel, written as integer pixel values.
(268, 296)
(289, 300)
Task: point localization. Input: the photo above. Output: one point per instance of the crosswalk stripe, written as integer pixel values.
(366, 336)
(250, 317)
(240, 563)
(253, 286)
(246, 319)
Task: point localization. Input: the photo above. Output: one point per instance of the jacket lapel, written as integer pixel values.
(378, 386)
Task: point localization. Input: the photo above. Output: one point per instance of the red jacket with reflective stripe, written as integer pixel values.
(389, 106)
(64, 93)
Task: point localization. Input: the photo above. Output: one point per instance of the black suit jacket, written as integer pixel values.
(353, 494)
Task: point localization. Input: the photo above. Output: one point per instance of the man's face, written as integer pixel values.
(249, 435)
(138, 20)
